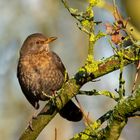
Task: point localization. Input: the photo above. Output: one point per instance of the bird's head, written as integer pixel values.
(36, 43)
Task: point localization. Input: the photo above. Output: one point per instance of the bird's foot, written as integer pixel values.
(30, 125)
(34, 116)
(47, 96)
(52, 96)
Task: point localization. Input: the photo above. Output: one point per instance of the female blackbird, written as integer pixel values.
(41, 72)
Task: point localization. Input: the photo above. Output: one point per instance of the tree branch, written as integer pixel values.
(117, 120)
(71, 88)
(95, 92)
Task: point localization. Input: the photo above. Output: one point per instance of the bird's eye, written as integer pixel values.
(38, 42)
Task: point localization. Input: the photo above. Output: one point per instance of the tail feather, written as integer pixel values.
(71, 112)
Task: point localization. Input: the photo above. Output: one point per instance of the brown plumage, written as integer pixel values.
(41, 72)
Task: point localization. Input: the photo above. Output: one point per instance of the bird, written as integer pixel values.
(41, 74)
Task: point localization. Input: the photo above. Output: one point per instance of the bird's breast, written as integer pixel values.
(39, 74)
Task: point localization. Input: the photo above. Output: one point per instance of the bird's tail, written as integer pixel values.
(71, 112)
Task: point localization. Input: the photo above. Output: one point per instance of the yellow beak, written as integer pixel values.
(50, 39)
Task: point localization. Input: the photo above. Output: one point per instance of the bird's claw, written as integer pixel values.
(30, 125)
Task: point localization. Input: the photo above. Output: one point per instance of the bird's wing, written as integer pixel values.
(60, 65)
(27, 92)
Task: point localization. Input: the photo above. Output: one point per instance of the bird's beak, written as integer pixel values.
(50, 39)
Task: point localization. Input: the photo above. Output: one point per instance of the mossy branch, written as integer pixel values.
(95, 92)
(87, 25)
(71, 88)
(116, 122)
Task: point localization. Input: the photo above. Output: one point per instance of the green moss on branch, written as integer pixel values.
(71, 88)
(117, 120)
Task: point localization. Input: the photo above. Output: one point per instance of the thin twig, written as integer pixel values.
(136, 77)
(55, 134)
(95, 92)
(86, 117)
(134, 115)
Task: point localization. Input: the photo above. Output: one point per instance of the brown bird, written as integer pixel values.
(41, 73)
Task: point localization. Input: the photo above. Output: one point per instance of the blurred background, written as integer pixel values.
(20, 18)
